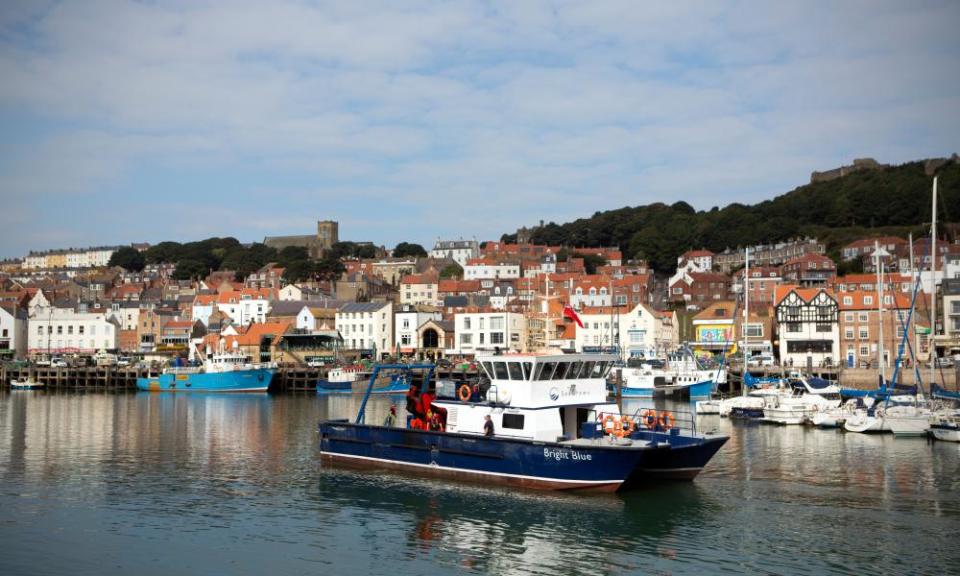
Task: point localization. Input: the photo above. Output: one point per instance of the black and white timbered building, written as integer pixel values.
(808, 323)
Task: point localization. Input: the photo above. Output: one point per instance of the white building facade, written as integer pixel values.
(484, 270)
(460, 251)
(13, 331)
(489, 331)
(366, 326)
(62, 331)
(407, 322)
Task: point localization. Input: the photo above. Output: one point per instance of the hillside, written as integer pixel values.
(893, 200)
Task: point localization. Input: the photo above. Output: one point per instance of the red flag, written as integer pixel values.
(570, 313)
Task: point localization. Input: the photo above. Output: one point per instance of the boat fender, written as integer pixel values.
(666, 420)
(464, 392)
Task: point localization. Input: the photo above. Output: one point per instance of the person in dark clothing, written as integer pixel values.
(487, 426)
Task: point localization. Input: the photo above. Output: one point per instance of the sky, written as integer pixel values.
(407, 121)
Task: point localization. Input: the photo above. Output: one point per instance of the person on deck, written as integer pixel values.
(487, 426)
(391, 418)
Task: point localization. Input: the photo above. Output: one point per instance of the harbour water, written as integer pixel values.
(217, 484)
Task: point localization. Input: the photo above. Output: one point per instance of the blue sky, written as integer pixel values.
(149, 121)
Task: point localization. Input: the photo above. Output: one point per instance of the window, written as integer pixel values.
(545, 371)
(39, 330)
(864, 332)
(496, 323)
(481, 323)
(481, 337)
(80, 330)
(516, 373)
(527, 369)
(500, 370)
(862, 317)
(466, 338)
(496, 337)
(823, 327)
(70, 330)
(59, 330)
(405, 340)
(864, 350)
(793, 326)
(848, 316)
(848, 334)
(754, 330)
(513, 421)
(561, 372)
(868, 300)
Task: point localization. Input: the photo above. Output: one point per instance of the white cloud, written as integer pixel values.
(454, 118)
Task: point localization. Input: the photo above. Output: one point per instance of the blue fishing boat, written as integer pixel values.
(534, 421)
(339, 380)
(219, 373)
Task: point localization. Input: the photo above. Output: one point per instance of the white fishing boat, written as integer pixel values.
(945, 425)
(28, 384)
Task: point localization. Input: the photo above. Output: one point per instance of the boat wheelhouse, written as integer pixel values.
(552, 428)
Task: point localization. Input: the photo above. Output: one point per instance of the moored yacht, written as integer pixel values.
(543, 421)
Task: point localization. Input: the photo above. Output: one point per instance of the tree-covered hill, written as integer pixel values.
(892, 200)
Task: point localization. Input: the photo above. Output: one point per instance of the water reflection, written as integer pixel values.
(191, 483)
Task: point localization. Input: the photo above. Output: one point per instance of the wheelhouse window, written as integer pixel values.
(516, 373)
(488, 368)
(561, 372)
(513, 421)
(500, 369)
(527, 370)
(545, 370)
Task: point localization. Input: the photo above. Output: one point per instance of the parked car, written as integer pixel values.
(124, 361)
(761, 360)
(316, 363)
(58, 363)
(945, 362)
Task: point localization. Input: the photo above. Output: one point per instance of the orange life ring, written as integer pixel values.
(626, 424)
(649, 418)
(611, 425)
(464, 392)
(666, 420)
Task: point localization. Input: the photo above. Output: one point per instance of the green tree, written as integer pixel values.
(590, 261)
(190, 270)
(329, 268)
(290, 254)
(405, 249)
(300, 270)
(452, 270)
(163, 253)
(129, 259)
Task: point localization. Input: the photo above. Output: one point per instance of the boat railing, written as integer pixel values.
(649, 419)
(178, 370)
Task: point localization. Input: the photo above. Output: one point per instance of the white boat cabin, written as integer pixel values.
(536, 397)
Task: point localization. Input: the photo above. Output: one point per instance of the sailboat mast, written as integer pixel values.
(933, 286)
(746, 312)
(879, 263)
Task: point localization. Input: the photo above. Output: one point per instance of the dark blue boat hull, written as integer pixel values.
(542, 465)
